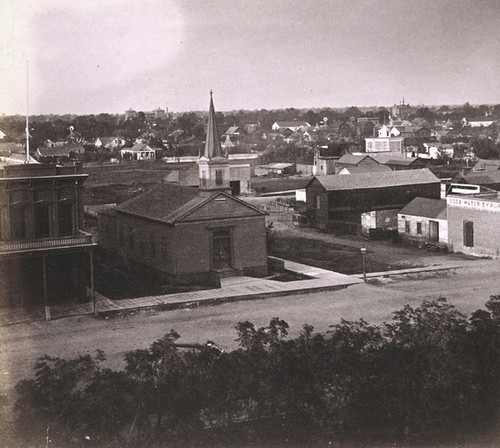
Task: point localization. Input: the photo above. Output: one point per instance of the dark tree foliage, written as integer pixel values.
(427, 375)
(287, 153)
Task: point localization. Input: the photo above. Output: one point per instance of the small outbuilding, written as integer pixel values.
(424, 221)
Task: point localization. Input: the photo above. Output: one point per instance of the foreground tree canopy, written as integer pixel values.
(428, 374)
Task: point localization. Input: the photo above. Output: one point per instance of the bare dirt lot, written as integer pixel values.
(341, 253)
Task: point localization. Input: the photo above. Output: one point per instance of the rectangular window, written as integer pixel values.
(468, 234)
(218, 177)
(65, 219)
(318, 202)
(42, 228)
(407, 226)
(18, 223)
(419, 228)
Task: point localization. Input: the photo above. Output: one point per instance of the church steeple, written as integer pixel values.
(213, 166)
(212, 142)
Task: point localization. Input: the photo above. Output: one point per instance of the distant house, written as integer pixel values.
(234, 131)
(140, 151)
(250, 128)
(366, 126)
(58, 154)
(423, 133)
(481, 123)
(281, 168)
(424, 220)
(337, 202)
(189, 145)
(351, 160)
(15, 159)
(228, 144)
(294, 126)
(109, 142)
(187, 176)
(384, 142)
(2, 135)
(324, 163)
(431, 151)
(345, 130)
(8, 148)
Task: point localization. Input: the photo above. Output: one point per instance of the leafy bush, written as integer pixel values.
(427, 375)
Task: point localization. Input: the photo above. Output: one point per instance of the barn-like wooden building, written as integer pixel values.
(336, 202)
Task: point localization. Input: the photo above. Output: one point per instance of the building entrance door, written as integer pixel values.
(221, 245)
(434, 231)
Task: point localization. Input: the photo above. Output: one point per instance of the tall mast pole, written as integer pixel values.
(27, 114)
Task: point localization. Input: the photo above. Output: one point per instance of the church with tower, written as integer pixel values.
(190, 234)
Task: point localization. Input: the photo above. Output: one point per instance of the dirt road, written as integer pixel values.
(20, 345)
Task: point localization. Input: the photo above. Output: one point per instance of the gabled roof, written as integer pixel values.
(59, 151)
(171, 203)
(188, 176)
(427, 208)
(482, 177)
(364, 181)
(138, 147)
(233, 130)
(366, 169)
(292, 124)
(106, 140)
(350, 159)
(176, 134)
(404, 162)
(484, 164)
(7, 148)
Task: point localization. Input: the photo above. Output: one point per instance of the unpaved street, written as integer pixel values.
(20, 345)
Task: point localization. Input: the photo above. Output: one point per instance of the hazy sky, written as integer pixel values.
(92, 56)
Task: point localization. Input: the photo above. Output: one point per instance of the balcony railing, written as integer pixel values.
(46, 243)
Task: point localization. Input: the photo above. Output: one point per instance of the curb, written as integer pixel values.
(407, 271)
(219, 300)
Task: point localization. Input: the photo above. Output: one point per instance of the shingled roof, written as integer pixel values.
(376, 180)
(171, 203)
(166, 202)
(351, 159)
(427, 208)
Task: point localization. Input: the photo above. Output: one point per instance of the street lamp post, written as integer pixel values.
(363, 256)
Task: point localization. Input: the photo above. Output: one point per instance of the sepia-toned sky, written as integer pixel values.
(93, 56)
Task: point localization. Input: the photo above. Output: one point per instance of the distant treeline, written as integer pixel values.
(428, 375)
(89, 127)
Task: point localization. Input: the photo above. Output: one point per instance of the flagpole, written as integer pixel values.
(27, 114)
